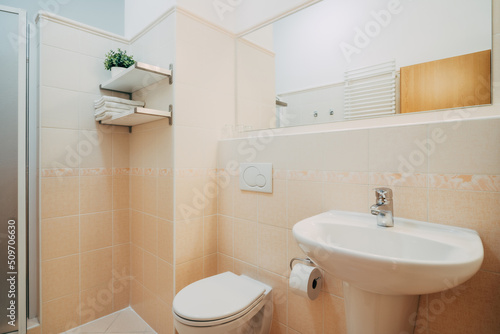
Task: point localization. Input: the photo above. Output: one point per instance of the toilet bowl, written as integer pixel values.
(224, 303)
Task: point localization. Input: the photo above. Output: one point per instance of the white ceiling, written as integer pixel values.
(236, 16)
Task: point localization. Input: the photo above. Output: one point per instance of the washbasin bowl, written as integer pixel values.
(411, 258)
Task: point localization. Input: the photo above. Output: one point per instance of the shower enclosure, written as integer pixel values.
(13, 63)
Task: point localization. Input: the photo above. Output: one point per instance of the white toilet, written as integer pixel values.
(224, 303)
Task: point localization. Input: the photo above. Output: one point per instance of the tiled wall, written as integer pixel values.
(447, 173)
(85, 240)
(152, 187)
(204, 103)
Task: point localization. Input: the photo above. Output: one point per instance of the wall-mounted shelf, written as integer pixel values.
(136, 77)
(139, 116)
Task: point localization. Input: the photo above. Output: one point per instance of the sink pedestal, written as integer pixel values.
(373, 313)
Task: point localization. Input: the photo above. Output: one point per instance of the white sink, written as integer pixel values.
(411, 258)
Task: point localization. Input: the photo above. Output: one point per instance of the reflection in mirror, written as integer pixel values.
(348, 59)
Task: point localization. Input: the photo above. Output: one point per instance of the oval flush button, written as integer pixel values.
(256, 177)
(250, 176)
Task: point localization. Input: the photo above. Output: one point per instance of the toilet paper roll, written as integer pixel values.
(306, 281)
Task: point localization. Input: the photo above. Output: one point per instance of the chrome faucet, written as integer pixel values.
(383, 208)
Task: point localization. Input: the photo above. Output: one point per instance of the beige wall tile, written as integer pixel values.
(95, 149)
(61, 314)
(470, 308)
(121, 227)
(226, 194)
(166, 281)
(137, 263)
(245, 204)
(246, 241)
(137, 228)
(210, 191)
(293, 248)
(59, 196)
(278, 328)
(60, 237)
(188, 240)
(137, 296)
(96, 231)
(58, 109)
(166, 241)
(96, 194)
(59, 148)
(301, 156)
(210, 265)
(63, 275)
(189, 199)
(165, 321)
(96, 302)
(96, 267)
(304, 200)
(150, 312)
(346, 197)
(389, 148)
(209, 235)
(166, 197)
(272, 207)
(332, 285)
(273, 249)
(150, 231)
(243, 268)
(345, 151)
(121, 294)
(151, 195)
(121, 192)
(410, 203)
(476, 210)
(151, 272)
(479, 152)
(225, 235)
(335, 322)
(280, 293)
(121, 150)
(304, 315)
(137, 192)
(188, 273)
(224, 263)
(121, 261)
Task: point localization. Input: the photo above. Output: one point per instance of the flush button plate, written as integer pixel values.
(256, 177)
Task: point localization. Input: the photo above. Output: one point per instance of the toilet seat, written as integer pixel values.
(217, 300)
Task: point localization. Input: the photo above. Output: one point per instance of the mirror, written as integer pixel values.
(347, 59)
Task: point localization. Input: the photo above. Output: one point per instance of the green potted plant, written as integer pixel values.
(118, 61)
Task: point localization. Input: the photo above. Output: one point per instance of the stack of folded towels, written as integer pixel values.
(108, 107)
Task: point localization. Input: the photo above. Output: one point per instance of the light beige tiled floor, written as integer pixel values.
(125, 321)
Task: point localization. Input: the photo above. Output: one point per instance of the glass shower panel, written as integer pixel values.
(9, 303)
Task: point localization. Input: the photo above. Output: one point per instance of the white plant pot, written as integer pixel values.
(115, 70)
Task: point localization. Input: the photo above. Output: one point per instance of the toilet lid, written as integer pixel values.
(216, 297)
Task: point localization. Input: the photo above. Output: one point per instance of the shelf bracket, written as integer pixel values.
(171, 77)
(171, 110)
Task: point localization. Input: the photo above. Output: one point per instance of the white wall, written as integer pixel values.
(308, 44)
(107, 15)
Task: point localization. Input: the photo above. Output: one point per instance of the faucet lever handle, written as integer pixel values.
(383, 194)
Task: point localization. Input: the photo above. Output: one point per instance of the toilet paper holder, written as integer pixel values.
(306, 260)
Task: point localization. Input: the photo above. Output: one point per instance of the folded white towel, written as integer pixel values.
(105, 116)
(112, 115)
(115, 105)
(103, 99)
(100, 111)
